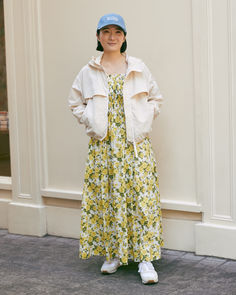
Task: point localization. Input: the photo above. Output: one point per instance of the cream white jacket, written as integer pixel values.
(88, 99)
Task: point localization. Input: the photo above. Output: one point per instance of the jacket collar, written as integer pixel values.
(134, 64)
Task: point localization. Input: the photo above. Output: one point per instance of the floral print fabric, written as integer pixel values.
(120, 211)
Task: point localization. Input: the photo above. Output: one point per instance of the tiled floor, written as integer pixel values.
(50, 265)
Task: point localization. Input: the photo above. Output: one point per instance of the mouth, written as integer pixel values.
(111, 43)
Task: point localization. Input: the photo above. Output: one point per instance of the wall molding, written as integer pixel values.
(24, 79)
(5, 183)
(23, 34)
(210, 151)
(165, 204)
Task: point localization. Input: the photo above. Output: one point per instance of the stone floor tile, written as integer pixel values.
(50, 265)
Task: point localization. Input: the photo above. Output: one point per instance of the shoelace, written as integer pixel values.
(145, 266)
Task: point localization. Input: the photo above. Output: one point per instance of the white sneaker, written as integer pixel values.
(147, 272)
(111, 266)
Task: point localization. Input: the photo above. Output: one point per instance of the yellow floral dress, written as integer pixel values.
(120, 212)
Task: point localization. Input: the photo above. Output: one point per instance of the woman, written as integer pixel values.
(116, 98)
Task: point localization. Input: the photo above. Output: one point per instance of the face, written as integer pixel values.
(111, 38)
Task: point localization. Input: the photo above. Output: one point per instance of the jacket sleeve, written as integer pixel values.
(155, 96)
(75, 100)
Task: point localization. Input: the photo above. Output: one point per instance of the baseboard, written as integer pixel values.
(180, 234)
(26, 219)
(64, 222)
(4, 213)
(215, 240)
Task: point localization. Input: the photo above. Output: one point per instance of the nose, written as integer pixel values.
(111, 36)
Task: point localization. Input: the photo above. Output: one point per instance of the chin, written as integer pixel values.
(112, 49)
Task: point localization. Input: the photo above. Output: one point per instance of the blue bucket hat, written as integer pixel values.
(111, 19)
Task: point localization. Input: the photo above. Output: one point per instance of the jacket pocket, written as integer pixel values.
(86, 116)
(142, 114)
(95, 116)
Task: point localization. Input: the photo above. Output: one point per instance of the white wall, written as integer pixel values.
(189, 47)
(69, 41)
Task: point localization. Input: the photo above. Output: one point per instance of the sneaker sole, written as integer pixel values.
(110, 271)
(149, 282)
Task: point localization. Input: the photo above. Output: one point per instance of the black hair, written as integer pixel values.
(122, 49)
